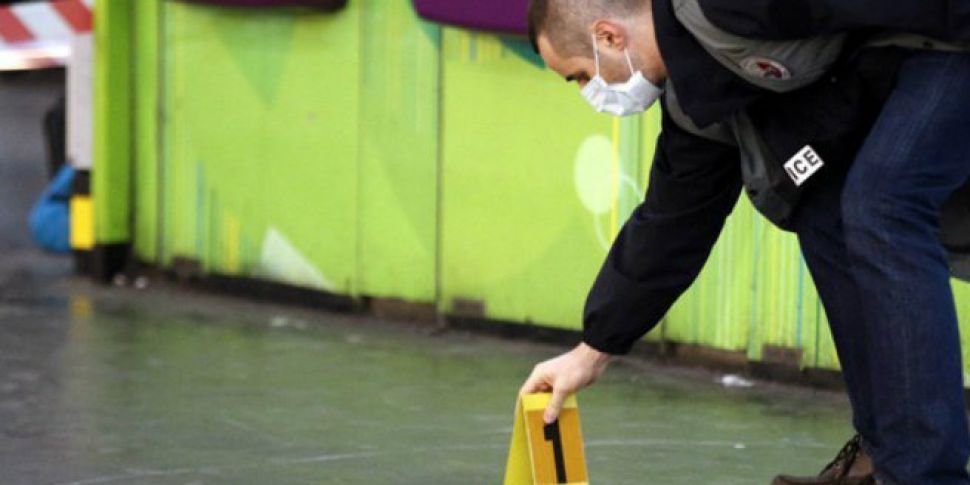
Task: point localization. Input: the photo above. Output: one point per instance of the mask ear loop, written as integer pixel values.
(596, 54)
(629, 61)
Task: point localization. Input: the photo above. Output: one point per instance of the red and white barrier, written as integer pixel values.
(38, 34)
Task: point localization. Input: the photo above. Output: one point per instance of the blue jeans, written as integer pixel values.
(870, 236)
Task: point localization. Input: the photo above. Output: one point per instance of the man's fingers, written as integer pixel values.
(555, 405)
(535, 383)
(529, 386)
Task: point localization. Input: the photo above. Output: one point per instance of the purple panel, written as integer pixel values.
(329, 5)
(508, 16)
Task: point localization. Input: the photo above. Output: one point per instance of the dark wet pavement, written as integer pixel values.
(165, 386)
(170, 386)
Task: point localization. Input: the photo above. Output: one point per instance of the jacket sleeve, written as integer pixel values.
(694, 185)
(946, 20)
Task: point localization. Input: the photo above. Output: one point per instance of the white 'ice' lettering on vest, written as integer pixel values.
(803, 165)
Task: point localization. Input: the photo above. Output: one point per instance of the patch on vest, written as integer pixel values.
(765, 68)
(803, 165)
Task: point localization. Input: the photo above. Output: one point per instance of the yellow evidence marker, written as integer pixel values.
(543, 454)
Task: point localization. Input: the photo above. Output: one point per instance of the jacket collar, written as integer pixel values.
(708, 92)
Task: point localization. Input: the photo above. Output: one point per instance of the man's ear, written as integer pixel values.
(610, 34)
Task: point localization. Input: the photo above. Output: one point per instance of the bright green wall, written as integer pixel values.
(399, 126)
(372, 154)
(146, 143)
(262, 143)
(528, 183)
(111, 177)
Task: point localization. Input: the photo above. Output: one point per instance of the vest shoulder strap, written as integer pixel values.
(778, 66)
(720, 132)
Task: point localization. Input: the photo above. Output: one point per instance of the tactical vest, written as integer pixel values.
(774, 183)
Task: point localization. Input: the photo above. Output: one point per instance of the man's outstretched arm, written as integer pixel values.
(946, 20)
(694, 185)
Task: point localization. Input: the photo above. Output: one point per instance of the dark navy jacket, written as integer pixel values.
(695, 183)
(947, 20)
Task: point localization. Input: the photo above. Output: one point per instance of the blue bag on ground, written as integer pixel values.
(50, 218)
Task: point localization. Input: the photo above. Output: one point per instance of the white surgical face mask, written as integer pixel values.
(620, 99)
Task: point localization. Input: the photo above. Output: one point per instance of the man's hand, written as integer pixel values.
(565, 375)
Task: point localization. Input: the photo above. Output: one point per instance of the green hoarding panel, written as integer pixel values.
(532, 184)
(112, 123)
(147, 59)
(398, 152)
(261, 148)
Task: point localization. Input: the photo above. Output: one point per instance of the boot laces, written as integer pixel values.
(846, 457)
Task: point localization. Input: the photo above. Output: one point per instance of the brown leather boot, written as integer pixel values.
(851, 466)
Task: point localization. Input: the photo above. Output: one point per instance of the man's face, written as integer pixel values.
(580, 69)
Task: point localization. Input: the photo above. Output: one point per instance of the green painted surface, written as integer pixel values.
(530, 185)
(112, 122)
(262, 145)
(146, 59)
(371, 154)
(961, 293)
(757, 286)
(398, 152)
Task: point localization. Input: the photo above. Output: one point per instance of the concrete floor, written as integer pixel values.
(165, 386)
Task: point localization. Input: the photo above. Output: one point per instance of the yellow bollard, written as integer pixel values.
(82, 222)
(542, 454)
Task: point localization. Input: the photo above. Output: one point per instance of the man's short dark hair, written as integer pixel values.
(565, 21)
